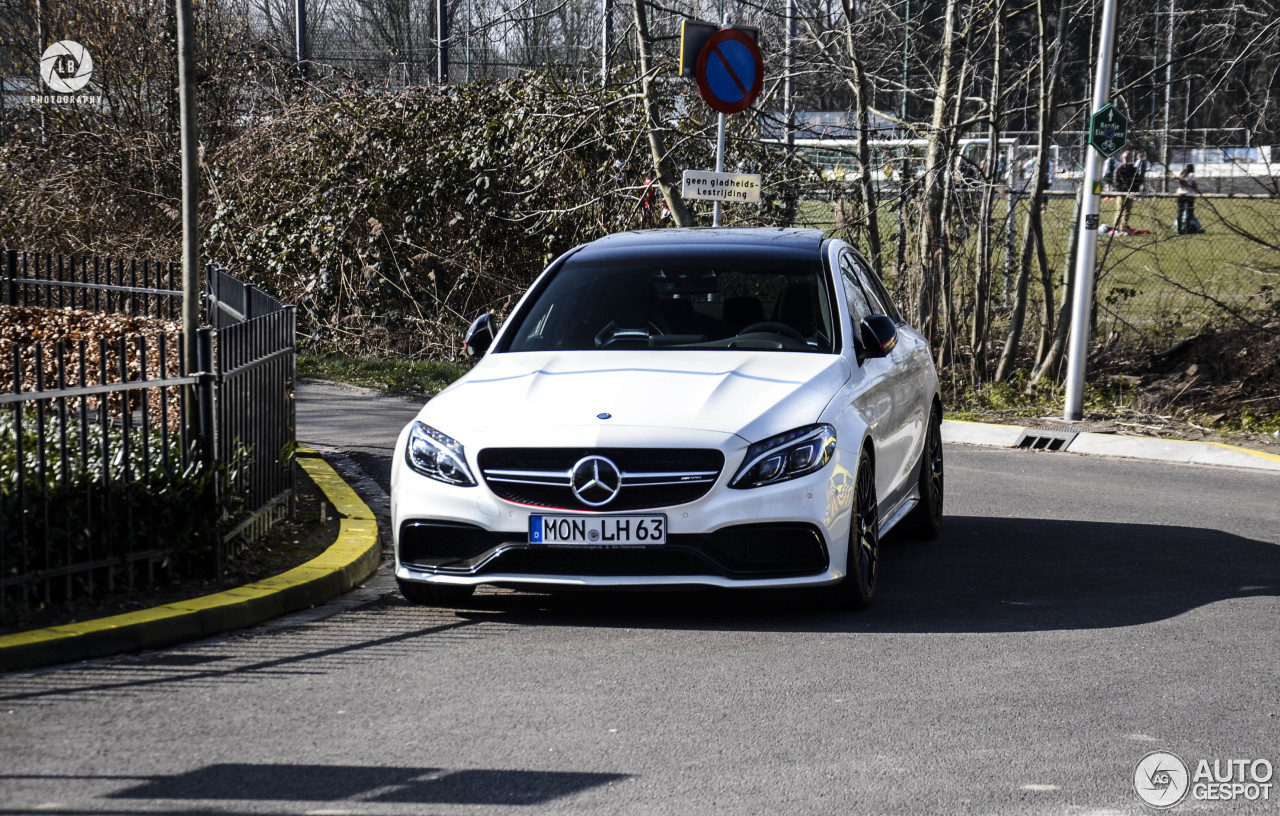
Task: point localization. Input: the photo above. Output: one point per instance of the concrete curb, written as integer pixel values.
(1132, 447)
(352, 558)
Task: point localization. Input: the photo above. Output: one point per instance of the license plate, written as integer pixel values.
(598, 531)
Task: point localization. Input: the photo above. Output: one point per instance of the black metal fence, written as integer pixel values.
(119, 467)
(255, 366)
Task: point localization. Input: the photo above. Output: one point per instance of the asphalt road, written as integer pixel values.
(1077, 613)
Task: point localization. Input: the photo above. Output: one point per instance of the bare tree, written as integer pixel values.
(664, 168)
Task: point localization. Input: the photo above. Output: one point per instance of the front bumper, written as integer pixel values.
(789, 534)
(739, 552)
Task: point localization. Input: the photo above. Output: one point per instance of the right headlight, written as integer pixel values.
(437, 456)
(786, 456)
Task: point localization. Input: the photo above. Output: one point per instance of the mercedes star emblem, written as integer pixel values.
(595, 480)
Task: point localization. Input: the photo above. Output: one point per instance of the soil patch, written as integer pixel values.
(1214, 387)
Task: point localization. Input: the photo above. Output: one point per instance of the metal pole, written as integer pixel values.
(720, 126)
(11, 271)
(789, 67)
(442, 42)
(715, 217)
(190, 184)
(300, 36)
(906, 70)
(606, 40)
(40, 56)
(1087, 258)
(1168, 97)
(468, 42)
(203, 343)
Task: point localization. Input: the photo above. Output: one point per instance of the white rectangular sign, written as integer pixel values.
(737, 188)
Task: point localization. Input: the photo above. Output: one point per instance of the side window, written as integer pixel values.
(859, 307)
(881, 303)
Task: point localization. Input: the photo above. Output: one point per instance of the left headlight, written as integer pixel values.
(786, 456)
(437, 456)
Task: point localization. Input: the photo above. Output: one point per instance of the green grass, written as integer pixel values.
(1160, 287)
(1250, 423)
(1015, 399)
(392, 376)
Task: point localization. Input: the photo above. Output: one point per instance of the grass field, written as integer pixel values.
(390, 375)
(1153, 288)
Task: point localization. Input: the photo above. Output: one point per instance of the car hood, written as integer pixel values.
(753, 395)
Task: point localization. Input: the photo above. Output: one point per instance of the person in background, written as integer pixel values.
(1108, 169)
(648, 201)
(1125, 180)
(1143, 166)
(1187, 223)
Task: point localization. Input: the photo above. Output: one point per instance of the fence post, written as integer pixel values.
(11, 271)
(206, 381)
(212, 293)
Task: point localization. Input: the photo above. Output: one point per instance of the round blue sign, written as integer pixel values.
(730, 71)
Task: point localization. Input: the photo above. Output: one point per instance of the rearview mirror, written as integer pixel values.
(879, 336)
(480, 336)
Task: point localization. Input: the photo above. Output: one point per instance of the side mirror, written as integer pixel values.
(879, 336)
(480, 336)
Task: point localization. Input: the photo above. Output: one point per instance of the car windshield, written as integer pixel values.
(717, 301)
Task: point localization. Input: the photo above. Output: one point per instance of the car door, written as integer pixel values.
(871, 388)
(898, 397)
(913, 357)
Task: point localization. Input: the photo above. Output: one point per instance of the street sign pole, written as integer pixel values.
(730, 72)
(715, 217)
(606, 40)
(720, 127)
(1087, 253)
(300, 35)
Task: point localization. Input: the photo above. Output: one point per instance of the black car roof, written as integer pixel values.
(763, 240)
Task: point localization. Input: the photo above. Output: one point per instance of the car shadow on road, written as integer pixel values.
(353, 786)
(981, 575)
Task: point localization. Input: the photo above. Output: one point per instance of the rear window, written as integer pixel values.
(703, 301)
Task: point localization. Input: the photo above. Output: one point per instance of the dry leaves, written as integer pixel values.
(134, 346)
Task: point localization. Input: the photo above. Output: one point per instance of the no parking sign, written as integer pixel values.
(730, 71)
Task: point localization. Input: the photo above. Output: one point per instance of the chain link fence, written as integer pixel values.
(1156, 285)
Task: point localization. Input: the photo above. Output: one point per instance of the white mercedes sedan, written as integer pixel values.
(677, 407)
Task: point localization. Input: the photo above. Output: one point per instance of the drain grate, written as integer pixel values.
(1053, 439)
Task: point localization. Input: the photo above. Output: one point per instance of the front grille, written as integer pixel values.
(743, 551)
(622, 561)
(651, 477)
(773, 550)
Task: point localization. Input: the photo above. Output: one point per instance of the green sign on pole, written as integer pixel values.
(1108, 130)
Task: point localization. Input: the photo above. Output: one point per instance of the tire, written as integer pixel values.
(925, 520)
(858, 588)
(435, 594)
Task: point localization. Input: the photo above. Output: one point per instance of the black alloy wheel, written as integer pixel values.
(925, 520)
(859, 584)
(865, 544)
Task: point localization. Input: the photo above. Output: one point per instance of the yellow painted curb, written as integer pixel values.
(339, 493)
(352, 558)
(1261, 455)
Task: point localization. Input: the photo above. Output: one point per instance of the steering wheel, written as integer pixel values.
(774, 327)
